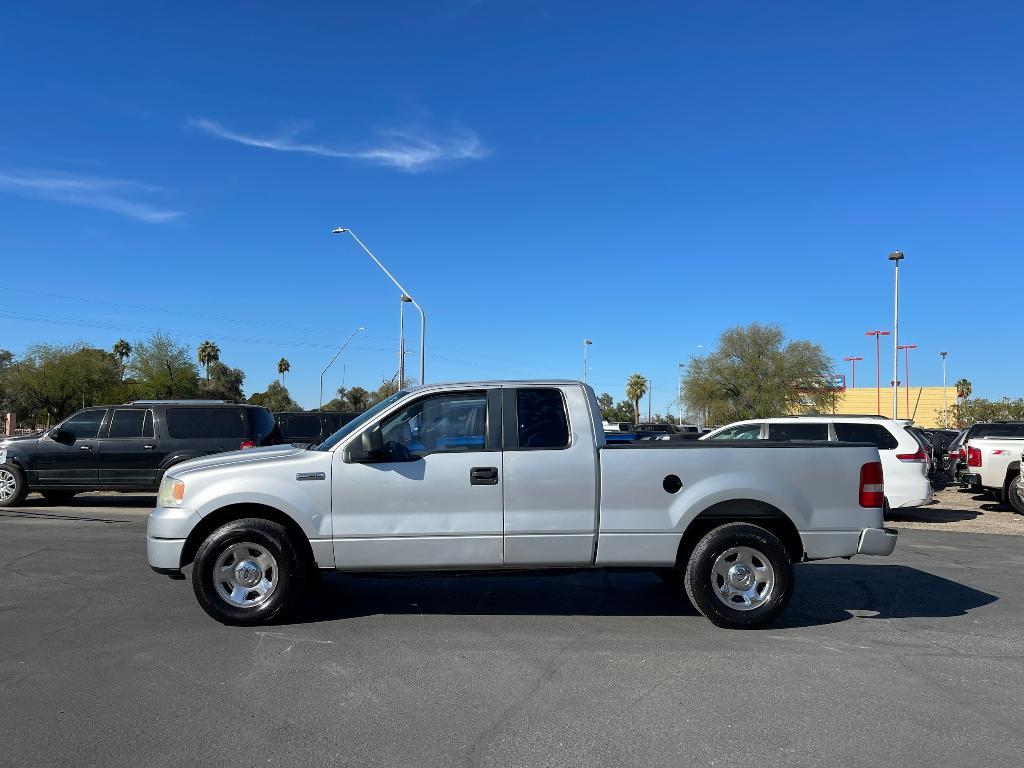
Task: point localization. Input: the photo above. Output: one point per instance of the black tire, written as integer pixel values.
(11, 474)
(58, 497)
(702, 584)
(1013, 497)
(289, 575)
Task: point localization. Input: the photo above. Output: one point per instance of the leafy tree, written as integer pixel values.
(122, 351)
(283, 366)
(636, 388)
(6, 397)
(276, 398)
(755, 373)
(963, 389)
(968, 412)
(223, 383)
(161, 368)
(57, 380)
(611, 411)
(355, 399)
(207, 354)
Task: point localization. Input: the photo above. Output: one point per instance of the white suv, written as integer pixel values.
(904, 460)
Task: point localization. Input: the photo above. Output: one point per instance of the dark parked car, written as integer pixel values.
(126, 447)
(303, 428)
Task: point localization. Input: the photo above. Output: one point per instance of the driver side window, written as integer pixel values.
(437, 424)
(83, 425)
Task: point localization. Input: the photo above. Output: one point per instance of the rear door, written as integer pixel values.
(69, 457)
(550, 487)
(129, 452)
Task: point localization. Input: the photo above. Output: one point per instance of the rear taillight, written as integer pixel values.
(962, 454)
(973, 456)
(872, 489)
(919, 456)
(246, 444)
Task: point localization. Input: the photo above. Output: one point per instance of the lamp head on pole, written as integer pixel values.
(339, 231)
(587, 342)
(406, 299)
(896, 256)
(943, 355)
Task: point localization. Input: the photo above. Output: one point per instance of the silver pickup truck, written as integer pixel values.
(514, 475)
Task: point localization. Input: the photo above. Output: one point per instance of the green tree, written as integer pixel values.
(207, 354)
(122, 351)
(161, 368)
(6, 397)
(275, 398)
(283, 366)
(968, 412)
(755, 373)
(355, 399)
(612, 411)
(636, 388)
(57, 380)
(223, 383)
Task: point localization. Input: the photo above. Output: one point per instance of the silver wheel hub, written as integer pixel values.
(7, 485)
(245, 574)
(742, 578)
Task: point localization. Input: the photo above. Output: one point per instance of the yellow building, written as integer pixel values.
(926, 403)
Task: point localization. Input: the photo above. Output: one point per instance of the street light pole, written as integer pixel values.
(401, 340)
(853, 370)
(423, 317)
(907, 348)
(896, 257)
(586, 365)
(331, 362)
(945, 405)
(878, 367)
(679, 403)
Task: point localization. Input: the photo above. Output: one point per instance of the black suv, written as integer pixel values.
(126, 447)
(303, 428)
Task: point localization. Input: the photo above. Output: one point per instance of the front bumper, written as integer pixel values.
(166, 531)
(877, 541)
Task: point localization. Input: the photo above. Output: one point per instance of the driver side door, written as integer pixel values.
(67, 455)
(432, 498)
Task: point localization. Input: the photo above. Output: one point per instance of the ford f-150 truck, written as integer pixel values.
(993, 465)
(514, 475)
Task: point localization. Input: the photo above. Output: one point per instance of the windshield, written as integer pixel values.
(357, 422)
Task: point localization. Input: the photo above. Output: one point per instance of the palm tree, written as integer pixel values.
(283, 366)
(636, 388)
(208, 354)
(963, 389)
(122, 351)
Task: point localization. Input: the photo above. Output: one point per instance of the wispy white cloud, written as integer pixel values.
(115, 195)
(404, 150)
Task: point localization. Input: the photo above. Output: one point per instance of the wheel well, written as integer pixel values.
(224, 515)
(741, 511)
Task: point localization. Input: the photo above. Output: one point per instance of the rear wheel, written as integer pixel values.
(739, 576)
(248, 572)
(58, 497)
(1013, 496)
(12, 486)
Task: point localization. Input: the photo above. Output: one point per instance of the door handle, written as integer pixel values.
(483, 476)
(149, 447)
(85, 447)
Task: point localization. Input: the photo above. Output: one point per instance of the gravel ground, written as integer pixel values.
(960, 512)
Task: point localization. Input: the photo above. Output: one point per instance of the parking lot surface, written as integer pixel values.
(911, 660)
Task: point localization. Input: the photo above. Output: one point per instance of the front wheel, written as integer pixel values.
(12, 486)
(248, 572)
(739, 576)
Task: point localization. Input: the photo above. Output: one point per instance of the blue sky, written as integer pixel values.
(642, 174)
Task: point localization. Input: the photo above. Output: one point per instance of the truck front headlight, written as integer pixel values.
(172, 491)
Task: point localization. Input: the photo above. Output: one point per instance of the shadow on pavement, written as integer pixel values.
(931, 514)
(825, 594)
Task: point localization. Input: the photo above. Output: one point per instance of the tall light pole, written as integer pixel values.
(945, 405)
(679, 404)
(586, 365)
(907, 348)
(401, 339)
(423, 317)
(878, 367)
(853, 370)
(896, 257)
(331, 362)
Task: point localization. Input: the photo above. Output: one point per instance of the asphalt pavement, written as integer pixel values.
(912, 660)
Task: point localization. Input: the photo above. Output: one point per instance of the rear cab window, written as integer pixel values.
(541, 420)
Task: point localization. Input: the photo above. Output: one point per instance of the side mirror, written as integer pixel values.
(61, 436)
(371, 447)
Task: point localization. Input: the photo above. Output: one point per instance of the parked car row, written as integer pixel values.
(129, 447)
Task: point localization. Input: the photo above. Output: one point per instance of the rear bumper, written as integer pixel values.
(877, 541)
(971, 479)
